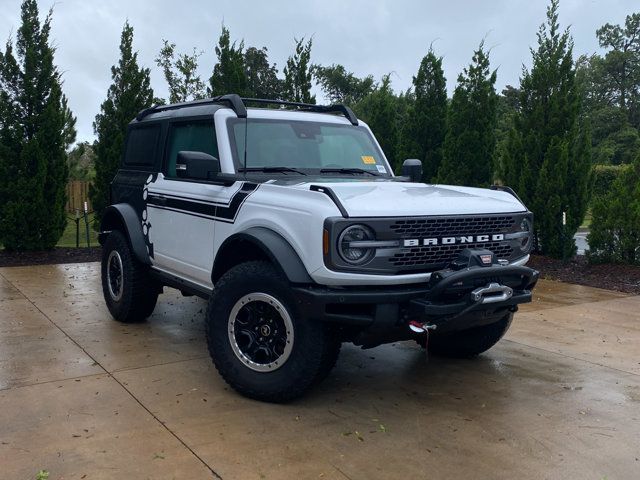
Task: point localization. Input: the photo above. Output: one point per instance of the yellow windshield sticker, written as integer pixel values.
(368, 159)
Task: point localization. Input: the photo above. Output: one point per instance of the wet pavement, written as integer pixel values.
(84, 397)
(581, 241)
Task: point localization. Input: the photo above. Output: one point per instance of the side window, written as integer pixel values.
(142, 143)
(193, 136)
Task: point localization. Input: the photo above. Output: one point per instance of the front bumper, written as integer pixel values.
(451, 300)
(332, 278)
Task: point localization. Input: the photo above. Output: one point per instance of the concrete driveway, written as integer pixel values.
(84, 397)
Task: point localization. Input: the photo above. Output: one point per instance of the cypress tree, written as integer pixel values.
(36, 127)
(425, 128)
(298, 74)
(262, 76)
(547, 155)
(228, 74)
(471, 126)
(129, 93)
(615, 228)
(380, 110)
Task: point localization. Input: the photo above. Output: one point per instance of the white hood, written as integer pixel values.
(394, 199)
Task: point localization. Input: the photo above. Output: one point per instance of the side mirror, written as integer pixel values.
(412, 168)
(197, 165)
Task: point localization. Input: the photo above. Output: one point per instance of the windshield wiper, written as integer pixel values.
(271, 170)
(348, 170)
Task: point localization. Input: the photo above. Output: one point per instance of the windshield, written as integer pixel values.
(302, 147)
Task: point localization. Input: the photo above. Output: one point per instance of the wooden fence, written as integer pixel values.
(77, 194)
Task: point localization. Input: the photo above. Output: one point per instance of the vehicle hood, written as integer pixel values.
(393, 199)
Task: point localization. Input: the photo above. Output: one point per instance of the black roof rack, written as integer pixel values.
(343, 109)
(232, 100)
(237, 104)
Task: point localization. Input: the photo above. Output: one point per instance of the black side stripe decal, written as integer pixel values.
(223, 212)
(183, 212)
(231, 212)
(208, 202)
(175, 204)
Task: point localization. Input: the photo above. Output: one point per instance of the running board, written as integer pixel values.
(185, 286)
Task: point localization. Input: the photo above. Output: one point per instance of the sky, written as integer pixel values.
(366, 36)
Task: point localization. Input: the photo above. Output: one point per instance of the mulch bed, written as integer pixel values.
(623, 278)
(57, 255)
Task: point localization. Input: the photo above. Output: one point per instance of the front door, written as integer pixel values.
(180, 212)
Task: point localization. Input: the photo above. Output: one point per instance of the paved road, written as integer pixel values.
(86, 398)
(581, 242)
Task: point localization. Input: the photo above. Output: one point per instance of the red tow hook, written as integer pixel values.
(418, 327)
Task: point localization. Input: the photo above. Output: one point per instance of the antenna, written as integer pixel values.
(246, 130)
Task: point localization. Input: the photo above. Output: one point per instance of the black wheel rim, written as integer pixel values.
(260, 332)
(115, 279)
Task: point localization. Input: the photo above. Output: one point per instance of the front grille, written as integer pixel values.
(448, 227)
(443, 254)
(430, 257)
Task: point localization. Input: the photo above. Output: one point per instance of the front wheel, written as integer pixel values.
(471, 342)
(257, 340)
(128, 289)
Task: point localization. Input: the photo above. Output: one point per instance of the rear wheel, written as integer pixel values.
(128, 289)
(258, 341)
(472, 342)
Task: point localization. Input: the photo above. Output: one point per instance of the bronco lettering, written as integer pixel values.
(416, 242)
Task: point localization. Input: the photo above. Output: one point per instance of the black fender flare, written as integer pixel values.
(123, 216)
(275, 247)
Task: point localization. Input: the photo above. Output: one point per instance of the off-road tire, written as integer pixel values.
(139, 292)
(469, 343)
(313, 354)
(331, 354)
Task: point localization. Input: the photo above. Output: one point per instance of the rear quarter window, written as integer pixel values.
(142, 146)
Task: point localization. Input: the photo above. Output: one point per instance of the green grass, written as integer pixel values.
(68, 238)
(587, 220)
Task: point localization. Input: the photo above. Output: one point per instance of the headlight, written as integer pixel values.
(527, 240)
(352, 244)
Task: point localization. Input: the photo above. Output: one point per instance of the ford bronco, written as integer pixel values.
(288, 219)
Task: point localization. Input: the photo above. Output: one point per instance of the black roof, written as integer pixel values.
(237, 104)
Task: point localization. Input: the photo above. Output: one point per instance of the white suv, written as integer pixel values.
(291, 222)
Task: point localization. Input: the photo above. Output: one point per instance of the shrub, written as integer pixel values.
(604, 176)
(615, 225)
